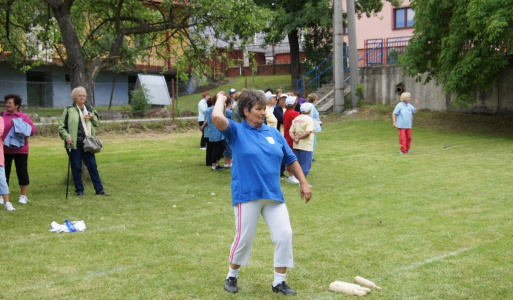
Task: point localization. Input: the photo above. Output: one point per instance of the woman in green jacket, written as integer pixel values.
(72, 131)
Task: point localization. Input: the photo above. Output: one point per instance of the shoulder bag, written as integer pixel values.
(91, 144)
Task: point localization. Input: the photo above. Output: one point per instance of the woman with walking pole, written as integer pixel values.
(78, 120)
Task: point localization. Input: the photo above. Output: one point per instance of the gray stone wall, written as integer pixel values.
(381, 87)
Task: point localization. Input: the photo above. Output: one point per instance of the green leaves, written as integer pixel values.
(462, 43)
(113, 33)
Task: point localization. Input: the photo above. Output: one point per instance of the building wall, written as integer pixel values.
(12, 81)
(381, 84)
(380, 26)
(53, 90)
(103, 89)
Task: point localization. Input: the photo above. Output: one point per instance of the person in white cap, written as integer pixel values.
(301, 133)
(278, 113)
(279, 109)
(269, 110)
(289, 115)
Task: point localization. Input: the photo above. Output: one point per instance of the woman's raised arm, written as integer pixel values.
(218, 117)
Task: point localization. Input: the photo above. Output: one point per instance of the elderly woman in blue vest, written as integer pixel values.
(73, 132)
(258, 152)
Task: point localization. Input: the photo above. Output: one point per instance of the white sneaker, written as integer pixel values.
(23, 200)
(293, 179)
(8, 206)
(1, 200)
(203, 148)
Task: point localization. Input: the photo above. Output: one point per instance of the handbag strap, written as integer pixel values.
(87, 129)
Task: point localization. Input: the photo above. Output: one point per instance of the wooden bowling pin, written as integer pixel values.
(366, 282)
(347, 288)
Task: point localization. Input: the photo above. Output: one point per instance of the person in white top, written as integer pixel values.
(269, 110)
(301, 133)
(202, 108)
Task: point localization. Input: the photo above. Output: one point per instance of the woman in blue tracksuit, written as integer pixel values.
(258, 152)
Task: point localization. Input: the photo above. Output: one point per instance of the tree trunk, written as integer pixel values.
(294, 57)
(74, 58)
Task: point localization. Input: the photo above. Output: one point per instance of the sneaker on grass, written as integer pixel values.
(230, 285)
(284, 289)
(293, 179)
(8, 206)
(23, 200)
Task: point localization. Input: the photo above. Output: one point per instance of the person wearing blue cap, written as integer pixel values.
(231, 92)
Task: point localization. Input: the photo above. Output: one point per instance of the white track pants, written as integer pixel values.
(276, 216)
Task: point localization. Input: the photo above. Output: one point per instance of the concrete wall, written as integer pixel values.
(381, 84)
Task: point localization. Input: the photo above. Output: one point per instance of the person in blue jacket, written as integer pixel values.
(258, 152)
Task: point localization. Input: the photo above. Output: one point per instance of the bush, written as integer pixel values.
(139, 105)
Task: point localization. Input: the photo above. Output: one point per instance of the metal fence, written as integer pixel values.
(385, 51)
(396, 47)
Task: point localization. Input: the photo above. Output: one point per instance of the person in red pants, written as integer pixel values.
(402, 118)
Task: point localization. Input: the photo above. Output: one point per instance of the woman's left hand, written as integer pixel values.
(306, 192)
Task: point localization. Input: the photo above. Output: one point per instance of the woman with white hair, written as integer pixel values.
(402, 118)
(269, 110)
(78, 120)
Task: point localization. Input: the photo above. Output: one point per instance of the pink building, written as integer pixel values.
(391, 22)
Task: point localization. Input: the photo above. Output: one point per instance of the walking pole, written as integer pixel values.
(69, 167)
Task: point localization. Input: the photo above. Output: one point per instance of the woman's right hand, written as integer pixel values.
(69, 141)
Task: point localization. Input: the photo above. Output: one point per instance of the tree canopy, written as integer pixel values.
(312, 20)
(91, 35)
(463, 44)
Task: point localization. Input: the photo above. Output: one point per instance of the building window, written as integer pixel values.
(404, 18)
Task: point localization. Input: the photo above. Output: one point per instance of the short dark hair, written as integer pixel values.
(214, 99)
(16, 99)
(248, 99)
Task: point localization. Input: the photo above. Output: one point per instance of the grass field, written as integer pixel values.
(190, 102)
(434, 224)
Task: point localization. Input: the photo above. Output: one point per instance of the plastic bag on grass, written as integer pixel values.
(78, 225)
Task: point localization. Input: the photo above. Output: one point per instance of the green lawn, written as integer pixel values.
(190, 102)
(434, 224)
